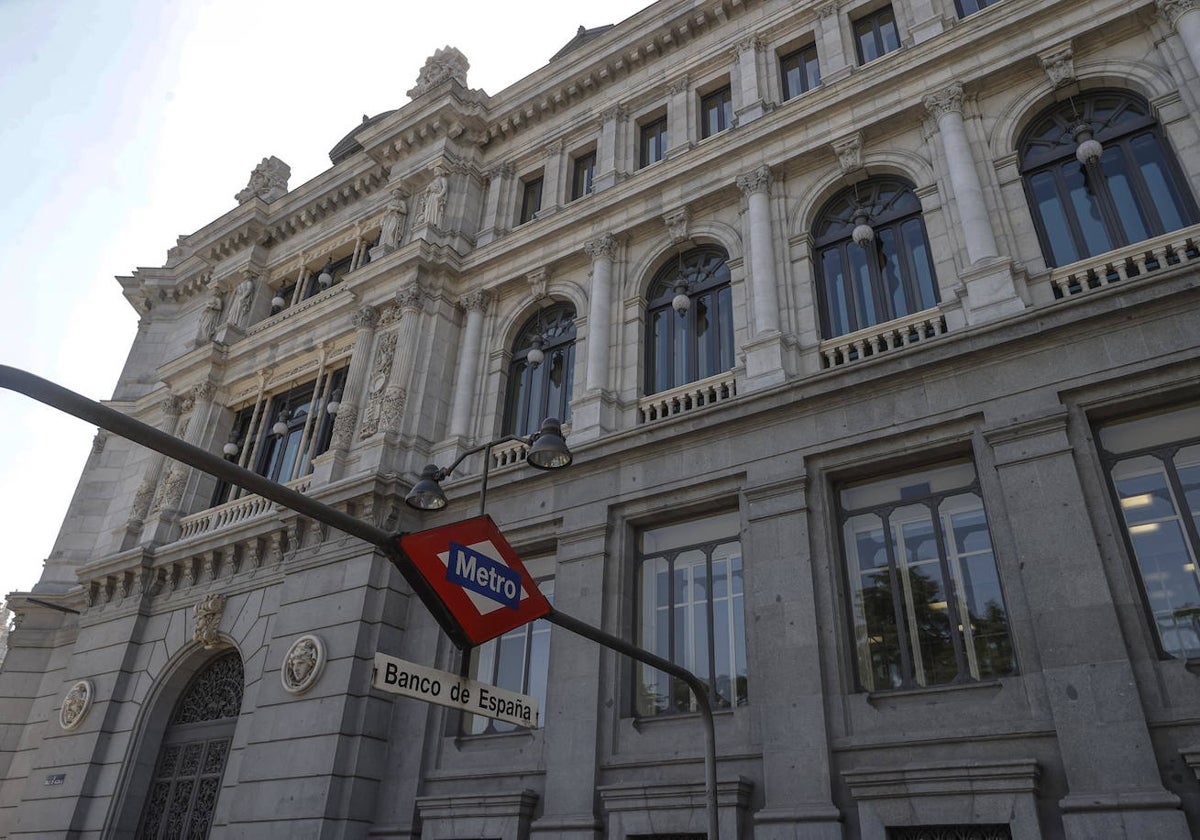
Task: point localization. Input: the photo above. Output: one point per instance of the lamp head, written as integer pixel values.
(325, 278)
(549, 449)
(427, 493)
(536, 355)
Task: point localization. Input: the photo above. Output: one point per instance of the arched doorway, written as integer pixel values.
(183, 792)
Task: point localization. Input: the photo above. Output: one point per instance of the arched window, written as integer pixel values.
(191, 761)
(686, 341)
(1099, 175)
(872, 256)
(539, 385)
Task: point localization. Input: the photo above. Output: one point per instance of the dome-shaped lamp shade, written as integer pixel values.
(549, 450)
(427, 493)
(681, 302)
(281, 428)
(230, 449)
(1088, 149)
(325, 278)
(335, 403)
(863, 234)
(536, 355)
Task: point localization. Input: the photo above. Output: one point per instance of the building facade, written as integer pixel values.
(876, 332)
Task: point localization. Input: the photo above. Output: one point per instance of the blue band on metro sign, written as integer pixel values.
(475, 572)
(482, 574)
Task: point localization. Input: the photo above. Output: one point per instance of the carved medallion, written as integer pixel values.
(76, 705)
(303, 664)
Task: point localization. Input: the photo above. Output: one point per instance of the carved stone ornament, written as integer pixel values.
(268, 181)
(759, 180)
(849, 152)
(446, 63)
(677, 224)
(1173, 10)
(98, 441)
(538, 280)
(76, 705)
(948, 100)
(477, 300)
(392, 228)
(1059, 66)
(303, 664)
(208, 619)
(210, 318)
(203, 392)
(242, 301)
(366, 318)
(601, 248)
(410, 298)
(433, 202)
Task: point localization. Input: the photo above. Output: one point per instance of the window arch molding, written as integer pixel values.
(662, 250)
(152, 723)
(1133, 191)
(889, 163)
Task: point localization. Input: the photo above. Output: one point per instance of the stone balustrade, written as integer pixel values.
(1136, 260)
(231, 513)
(509, 454)
(881, 338)
(689, 397)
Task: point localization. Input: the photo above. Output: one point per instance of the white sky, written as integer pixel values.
(126, 123)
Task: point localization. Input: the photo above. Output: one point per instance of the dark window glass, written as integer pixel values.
(307, 425)
(926, 603)
(889, 277)
(531, 199)
(653, 143)
(1133, 192)
(800, 71)
(691, 612)
(518, 661)
(970, 7)
(538, 391)
(876, 35)
(1153, 464)
(698, 343)
(581, 177)
(716, 112)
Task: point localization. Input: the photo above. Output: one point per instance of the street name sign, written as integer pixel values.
(446, 689)
(478, 576)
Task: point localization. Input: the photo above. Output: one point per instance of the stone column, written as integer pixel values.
(1184, 16)
(679, 117)
(496, 204)
(1114, 783)
(171, 408)
(475, 303)
(835, 63)
(599, 310)
(607, 148)
(748, 100)
(365, 321)
(756, 187)
(553, 178)
(946, 107)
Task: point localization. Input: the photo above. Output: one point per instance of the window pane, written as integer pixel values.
(1054, 219)
(1159, 184)
(1128, 210)
(1086, 207)
(660, 337)
(864, 296)
(876, 634)
(836, 310)
(981, 603)
(925, 602)
(913, 232)
(889, 269)
(887, 30)
(705, 360)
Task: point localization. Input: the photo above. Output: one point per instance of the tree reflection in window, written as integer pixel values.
(926, 599)
(1134, 191)
(538, 391)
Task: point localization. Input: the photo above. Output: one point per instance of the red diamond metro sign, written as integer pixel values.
(478, 576)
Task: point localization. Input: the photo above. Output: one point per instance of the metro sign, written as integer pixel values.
(478, 576)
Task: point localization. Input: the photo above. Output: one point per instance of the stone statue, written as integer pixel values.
(75, 705)
(303, 664)
(239, 305)
(209, 319)
(268, 181)
(208, 619)
(446, 63)
(392, 230)
(435, 199)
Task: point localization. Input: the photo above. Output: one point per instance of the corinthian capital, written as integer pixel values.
(366, 318)
(1173, 10)
(204, 391)
(948, 100)
(475, 301)
(759, 180)
(410, 298)
(602, 247)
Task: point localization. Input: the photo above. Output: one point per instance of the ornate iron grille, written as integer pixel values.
(951, 832)
(187, 778)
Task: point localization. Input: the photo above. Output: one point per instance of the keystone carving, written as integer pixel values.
(1059, 65)
(208, 619)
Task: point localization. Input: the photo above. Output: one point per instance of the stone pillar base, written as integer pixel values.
(567, 827)
(767, 361)
(991, 291)
(592, 415)
(815, 823)
(1124, 816)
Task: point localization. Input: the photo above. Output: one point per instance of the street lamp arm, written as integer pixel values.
(444, 472)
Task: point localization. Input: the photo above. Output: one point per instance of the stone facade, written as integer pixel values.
(1076, 718)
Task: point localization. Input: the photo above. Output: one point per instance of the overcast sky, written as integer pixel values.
(127, 123)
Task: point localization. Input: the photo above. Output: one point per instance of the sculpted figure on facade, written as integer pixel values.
(303, 664)
(392, 230)
(242, 301)
(208, 614)
(433, 205)
(445, 63)
(210, 318)
(268, 181)
(76, 705)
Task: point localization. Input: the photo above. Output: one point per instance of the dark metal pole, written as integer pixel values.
(68, 401)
